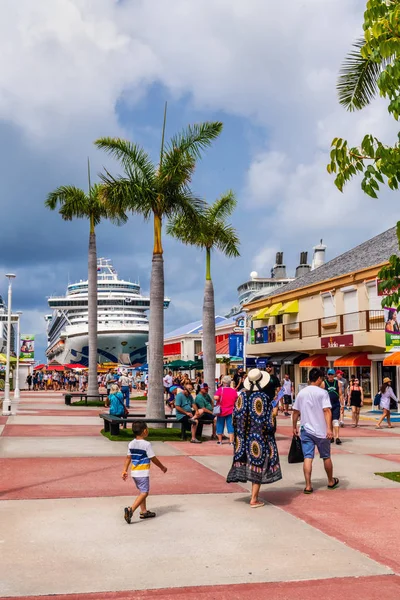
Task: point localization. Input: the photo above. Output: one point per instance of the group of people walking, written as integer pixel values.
(57, 380)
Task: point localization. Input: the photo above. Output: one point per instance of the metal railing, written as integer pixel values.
(366, 320)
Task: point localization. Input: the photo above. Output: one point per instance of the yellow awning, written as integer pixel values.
(262, 314)
(275, 308)
(290, 308)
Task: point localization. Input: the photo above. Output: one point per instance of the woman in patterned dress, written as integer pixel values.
(256, 457)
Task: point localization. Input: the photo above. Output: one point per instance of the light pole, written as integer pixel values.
(16, 386)
(7, 401)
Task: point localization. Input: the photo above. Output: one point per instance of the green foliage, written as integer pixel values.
(163, 190)
(373, 66)
(74, 203)
(210, 229)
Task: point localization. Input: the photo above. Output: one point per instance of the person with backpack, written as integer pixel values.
(334, 389)
(387, 394)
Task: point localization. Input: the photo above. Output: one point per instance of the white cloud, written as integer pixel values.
(65, 65)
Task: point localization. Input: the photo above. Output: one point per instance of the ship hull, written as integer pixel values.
(114, 347)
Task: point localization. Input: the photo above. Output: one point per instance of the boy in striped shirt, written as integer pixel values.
(140, 453)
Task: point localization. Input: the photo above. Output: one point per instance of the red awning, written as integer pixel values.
(39, 367)
(393, 360)
(317, 360)
(72, 366)
(354, 359)
(223, 347)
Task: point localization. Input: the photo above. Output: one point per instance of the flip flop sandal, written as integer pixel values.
(147, 515)
(258, 504)
(306, 491)
(336, 483)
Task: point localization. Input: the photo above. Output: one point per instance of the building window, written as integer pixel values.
(328, 304)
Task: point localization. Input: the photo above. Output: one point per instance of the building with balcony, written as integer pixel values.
(328, 317)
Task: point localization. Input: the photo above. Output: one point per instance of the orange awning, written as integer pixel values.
(354, 359)
(393, 360)
(317, 360)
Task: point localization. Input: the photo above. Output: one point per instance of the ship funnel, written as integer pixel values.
(279, 270)
(303, 267)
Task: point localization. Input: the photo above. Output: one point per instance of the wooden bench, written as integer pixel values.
(83, 395)
(112, 423)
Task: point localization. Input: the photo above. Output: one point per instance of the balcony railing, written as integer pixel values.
(367, 320)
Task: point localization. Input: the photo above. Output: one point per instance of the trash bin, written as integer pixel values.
(68, 399)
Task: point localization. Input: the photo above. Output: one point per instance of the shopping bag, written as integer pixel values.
(296, 451)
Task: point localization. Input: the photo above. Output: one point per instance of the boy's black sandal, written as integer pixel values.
(147, 515)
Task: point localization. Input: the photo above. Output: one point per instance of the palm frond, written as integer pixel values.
(188, 232)
(127, 194)
(133, 158)
(183, 203)
(226, 240)
(195, 138)
(223, 207)
(72, 202)
(358, 77)
(176, 170)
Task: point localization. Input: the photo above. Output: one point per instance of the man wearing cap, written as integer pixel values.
(334, 389)
(184, 412)
(203, 410)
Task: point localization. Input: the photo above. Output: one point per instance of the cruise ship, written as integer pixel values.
(122, 323)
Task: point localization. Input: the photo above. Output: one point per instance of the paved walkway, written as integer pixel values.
(63, 535)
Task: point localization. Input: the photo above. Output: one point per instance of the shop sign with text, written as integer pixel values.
(337, 341)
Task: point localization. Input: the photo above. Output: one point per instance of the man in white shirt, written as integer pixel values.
(167, 382)
(314, 406)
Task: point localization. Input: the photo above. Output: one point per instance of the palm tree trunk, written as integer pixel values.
(209, 347)
(92, 312)
(155, 400)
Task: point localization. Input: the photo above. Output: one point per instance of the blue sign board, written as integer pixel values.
(261, 363)
(236, 345)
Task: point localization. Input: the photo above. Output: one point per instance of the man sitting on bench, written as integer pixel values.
(184, 412)
(204, 410)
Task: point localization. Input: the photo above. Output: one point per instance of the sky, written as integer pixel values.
(72, 71)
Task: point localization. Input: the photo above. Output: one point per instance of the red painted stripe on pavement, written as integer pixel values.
(365, 520)
(351, 588)
(28, 478)
(51, 430)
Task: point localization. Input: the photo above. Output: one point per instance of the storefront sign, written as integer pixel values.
(236, 345)
(279, 333)
(392, 321)
(261, 363)
(337, 341)
(252, 336)
(27, 349)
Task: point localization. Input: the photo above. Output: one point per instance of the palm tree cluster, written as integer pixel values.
(158, 192)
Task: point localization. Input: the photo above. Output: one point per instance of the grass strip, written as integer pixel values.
(155, 435)
(393, 475)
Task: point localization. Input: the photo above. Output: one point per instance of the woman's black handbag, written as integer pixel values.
(296, 451)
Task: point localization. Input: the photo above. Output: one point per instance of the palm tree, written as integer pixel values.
(211, 232)
(74, 203)
(158, 191)
(358, 79)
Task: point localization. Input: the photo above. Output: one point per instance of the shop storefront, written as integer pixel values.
(315, 360)
(356, 364)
